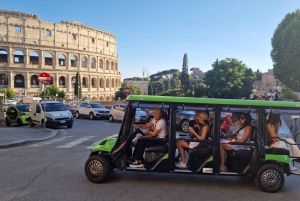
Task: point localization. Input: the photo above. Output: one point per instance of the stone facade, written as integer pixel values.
(142, 84)
(197, 72)
(29, 46)
(268, 82)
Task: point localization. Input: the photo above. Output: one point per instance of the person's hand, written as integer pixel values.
(147, 133)
(191, 131)
(135, 126)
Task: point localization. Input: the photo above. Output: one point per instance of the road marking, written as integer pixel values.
(76, 142)
(92, 145)
(50, 142)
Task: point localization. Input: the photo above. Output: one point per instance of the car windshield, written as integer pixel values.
(50, 107)
(96, 105)
(139, 109)
(23, 108)
(69, 106)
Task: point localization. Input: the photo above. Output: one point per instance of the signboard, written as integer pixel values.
(44, 78)
(127, 90)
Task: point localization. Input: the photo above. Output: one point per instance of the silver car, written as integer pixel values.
(117, 112)
(92, 111)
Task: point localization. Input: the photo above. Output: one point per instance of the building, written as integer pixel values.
(142, 84)
(197, 72)
(29, 46)
(268, 82)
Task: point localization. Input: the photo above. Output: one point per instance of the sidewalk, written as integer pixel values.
(14, 135)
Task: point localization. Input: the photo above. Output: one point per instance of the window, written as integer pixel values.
(73, 36)
(62, 45)
(18, 29)
(48, 33)
(34, 42)
(106, 44)
(93, 40)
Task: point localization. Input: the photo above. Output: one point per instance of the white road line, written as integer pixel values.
(50, 142)
(92, 145)
(76, 142)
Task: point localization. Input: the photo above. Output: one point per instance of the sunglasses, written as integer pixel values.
(242, 118)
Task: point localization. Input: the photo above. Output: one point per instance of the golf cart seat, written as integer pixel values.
(278, 151)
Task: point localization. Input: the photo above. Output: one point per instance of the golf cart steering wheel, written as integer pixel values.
(138, 130)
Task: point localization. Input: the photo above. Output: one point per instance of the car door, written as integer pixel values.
(12, 113)
(81, 108)
(122, 111)
(115, 111)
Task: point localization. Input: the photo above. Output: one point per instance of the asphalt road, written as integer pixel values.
(54, 170)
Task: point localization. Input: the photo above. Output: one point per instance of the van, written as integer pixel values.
(55, 114)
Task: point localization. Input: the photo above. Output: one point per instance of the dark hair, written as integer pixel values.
(274, 119)
(247, 119)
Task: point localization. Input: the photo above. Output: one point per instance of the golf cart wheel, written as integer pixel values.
(269, 178)
(92, 116)
(111, 118)
(7, 122)
(19, 122)
(77, 115)
(185, 125)
(97, 168)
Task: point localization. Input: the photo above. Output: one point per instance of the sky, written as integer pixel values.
(154, 35)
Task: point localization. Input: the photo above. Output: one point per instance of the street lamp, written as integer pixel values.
(193, 92)
(145, 70)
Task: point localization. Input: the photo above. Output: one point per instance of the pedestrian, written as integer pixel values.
(295, 122)
(277, 95)
(269, 94)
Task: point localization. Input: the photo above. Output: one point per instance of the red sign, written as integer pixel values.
(44, 78)
(127, 90)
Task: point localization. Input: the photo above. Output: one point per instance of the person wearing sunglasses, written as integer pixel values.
(242, 135)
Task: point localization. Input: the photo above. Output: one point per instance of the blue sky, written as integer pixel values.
(156, 34)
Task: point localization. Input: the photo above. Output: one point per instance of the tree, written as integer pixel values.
(285, 49)
(78, 84)
(230, 77)
(51, 92)
(157, 87)
(9, 93)
(133, 90)
(171, 92)
(184, 75)
(258, 75)
(200, 90)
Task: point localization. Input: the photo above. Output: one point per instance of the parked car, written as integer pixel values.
(17, 114)
(117, 112)
(10, 101)
(56, 114)
(92, 111)
(71, 108)
(6, 105)
(183, 118)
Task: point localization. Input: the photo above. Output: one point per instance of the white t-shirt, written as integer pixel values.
(161, 125)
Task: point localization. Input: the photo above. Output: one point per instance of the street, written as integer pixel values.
(54, 170)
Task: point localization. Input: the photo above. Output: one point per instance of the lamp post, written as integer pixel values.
(193, 92)
(73, 85)
(145, 70)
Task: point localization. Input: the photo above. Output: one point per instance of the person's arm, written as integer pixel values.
(144, 126)
(247, 133)
(203, 134)
(158, 127)
(272, 132)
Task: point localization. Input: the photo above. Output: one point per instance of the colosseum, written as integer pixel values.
(29, 46)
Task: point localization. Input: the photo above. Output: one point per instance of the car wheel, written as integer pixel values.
(77, 115)
(185, 125)
(97, 168)
(19, 122)
(7, 122)
(92, 116)
(31, 124)
(70, 126)
(111, 118)
(269, 178)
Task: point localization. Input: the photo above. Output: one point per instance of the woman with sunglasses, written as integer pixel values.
(242, 135)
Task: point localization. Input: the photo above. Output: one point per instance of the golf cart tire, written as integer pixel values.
(97, 168)
(269, 178)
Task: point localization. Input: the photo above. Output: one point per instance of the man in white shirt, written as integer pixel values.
(156, 128)
(235, 126)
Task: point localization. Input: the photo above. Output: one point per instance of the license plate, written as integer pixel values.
(62, 122)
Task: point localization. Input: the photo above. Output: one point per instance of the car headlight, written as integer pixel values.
(49, 115)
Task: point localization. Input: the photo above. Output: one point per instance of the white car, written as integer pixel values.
(117, 112)
(92, 111)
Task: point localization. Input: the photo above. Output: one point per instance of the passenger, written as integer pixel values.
(198, 129)
(242, 135)
(273, 125)
(235, 126)
(156, 128)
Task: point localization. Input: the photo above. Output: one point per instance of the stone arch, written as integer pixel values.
(107, 83)
(93, 63)
(62, 60)
(107, 65)
(74, 61)
(84, 62)
(101, 97)
(3, 80)
(112, 65)
(51, 82)
(19, 81)
(112, 96)
(73, 80)
(34, 83)
(101, 83)
(94, 98)
(85, 82)
(3, 56)
(112, 83)
(34, 58)
(62, 82)
(94, 82)
(108, 97)
(101, 64)
(48, 59)
(18, 57)
(116, 66)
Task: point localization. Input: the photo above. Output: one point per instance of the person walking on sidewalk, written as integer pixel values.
(295, 122)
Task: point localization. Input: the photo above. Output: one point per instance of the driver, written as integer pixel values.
(156, 128)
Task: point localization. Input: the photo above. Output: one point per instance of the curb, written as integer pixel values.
(22, 142)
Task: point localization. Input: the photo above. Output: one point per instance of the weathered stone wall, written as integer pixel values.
(90, 51)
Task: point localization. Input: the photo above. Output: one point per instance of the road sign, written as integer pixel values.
(44, 78)
(127, 90)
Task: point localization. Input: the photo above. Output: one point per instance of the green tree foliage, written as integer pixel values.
(171, 92)
(230, 77)
(51, 92)
(286, 51)
(157, 87)
(137, 79)
(258, 75)
(184, 76)
(78, 84)
(133, 89)
(9, 93)
(200, 91)
(288, 94)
